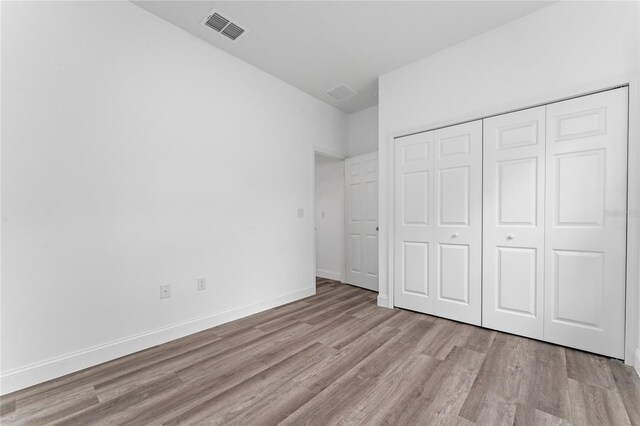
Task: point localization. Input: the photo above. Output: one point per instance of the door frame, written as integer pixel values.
(316, 150)
(387, 196)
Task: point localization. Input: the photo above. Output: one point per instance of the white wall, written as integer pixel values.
(329, 218)
(636, 359)
(562, 50)
(363, 132)
(133, 155)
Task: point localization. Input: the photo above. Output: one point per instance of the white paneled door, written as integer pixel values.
(585, 235)
(437, 214)
(458, 225)
(361, 194)
(513, 222)
(518, 222)
(413, 218)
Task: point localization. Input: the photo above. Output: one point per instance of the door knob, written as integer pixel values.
(510, 236)
(455, 235)
(377, 228)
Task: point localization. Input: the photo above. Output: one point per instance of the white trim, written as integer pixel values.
(386, 198)
(636, 361)
(331, 275)
(52, 368)
(633, 223)
(327, 153)
(383, 301)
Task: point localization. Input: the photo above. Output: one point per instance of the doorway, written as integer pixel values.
(329, 216)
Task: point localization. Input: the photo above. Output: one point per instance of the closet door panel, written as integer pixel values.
(513, 222)
(453, 277)
(517, 190)
(458, 222)
(413, 223)
(586, 222)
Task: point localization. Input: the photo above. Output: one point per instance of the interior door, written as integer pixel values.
(585, 234)
(413, 223)
(458, 222)
(513, 222)
(361, 193)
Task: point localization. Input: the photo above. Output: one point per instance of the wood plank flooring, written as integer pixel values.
(337, 358)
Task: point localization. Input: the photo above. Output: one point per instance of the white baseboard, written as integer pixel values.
(330, 275)
(636, 360)
(52, 368)
(383, 301)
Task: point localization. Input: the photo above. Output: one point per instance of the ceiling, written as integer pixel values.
(318, 45)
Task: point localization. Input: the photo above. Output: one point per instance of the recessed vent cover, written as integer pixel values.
(341, 92)
(217, 22)
(223, 25)
(232, 31)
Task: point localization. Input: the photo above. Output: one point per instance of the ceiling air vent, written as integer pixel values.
(232, 31)
(341, 92)
(223, 25)
(217, 22)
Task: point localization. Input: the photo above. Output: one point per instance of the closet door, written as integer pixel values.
(413, 223)
(513, 236)
(586, 222)
(361, 195)
(458, 222)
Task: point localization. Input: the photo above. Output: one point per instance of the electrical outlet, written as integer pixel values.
(165, 291)
(202, 283)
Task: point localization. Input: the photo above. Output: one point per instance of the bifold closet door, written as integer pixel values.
(585, 237)
(513, 222)
(361, 194)
(458, 224)
(437, 214)
(413, 223)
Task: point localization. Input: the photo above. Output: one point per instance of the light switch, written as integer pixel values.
(300, 212)
(202, 283)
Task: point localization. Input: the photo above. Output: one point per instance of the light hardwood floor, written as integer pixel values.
(337, 358)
